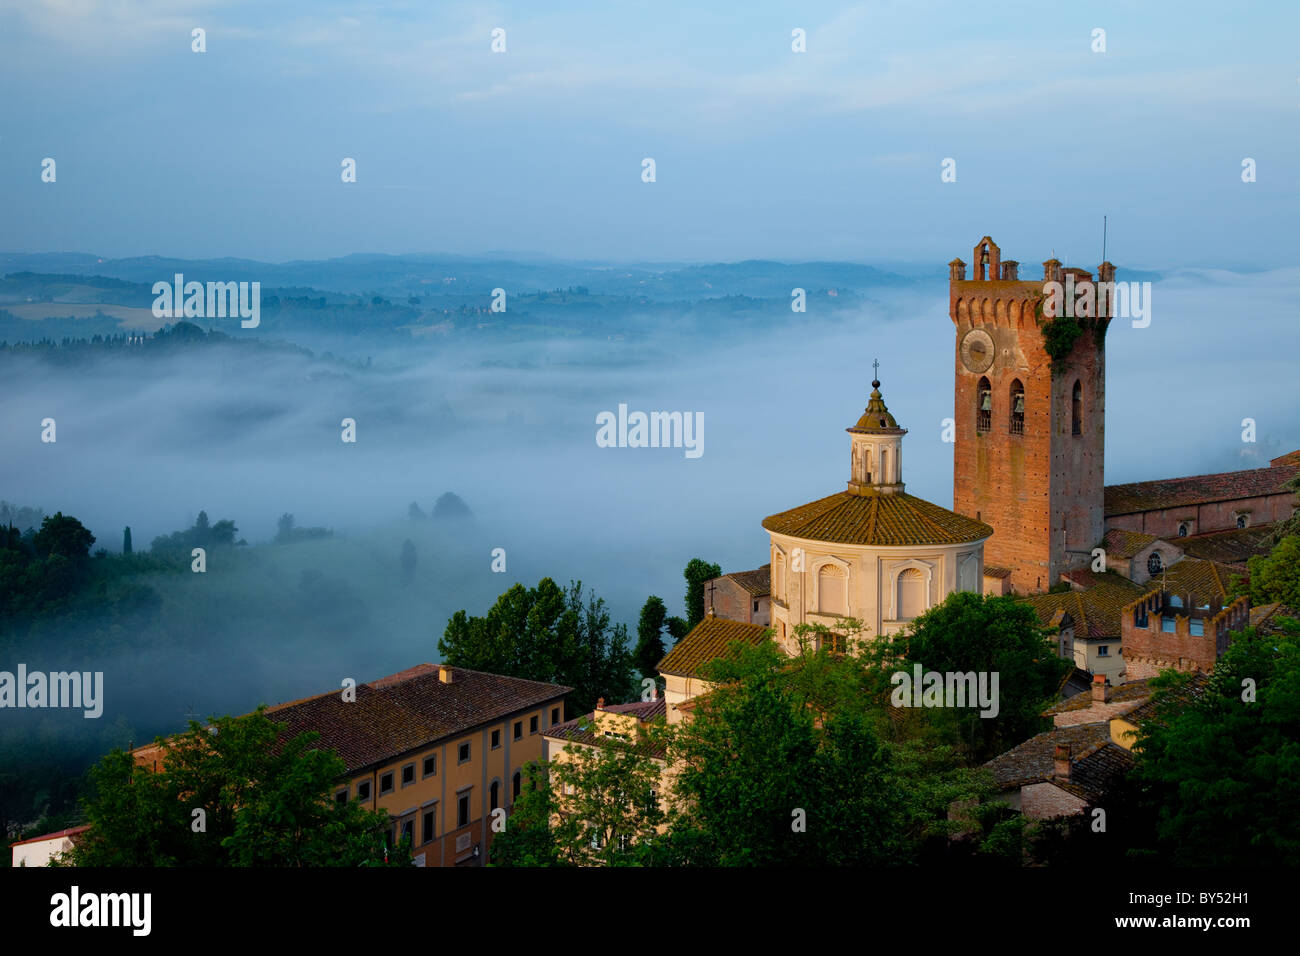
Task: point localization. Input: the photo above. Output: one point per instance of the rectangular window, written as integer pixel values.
(1197, 626)
(532, 724)
(363, 790)
(428, 826)
(462, 809)
(496, 739)
(386, 782)
(462, 753)
(1103, 650)
(519, 729)
(1167, 625)
(555, 715)
(430, 765)
(408, 775)
(341, 796)
(408, 830)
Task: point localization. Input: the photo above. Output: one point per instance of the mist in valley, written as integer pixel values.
(250, 434)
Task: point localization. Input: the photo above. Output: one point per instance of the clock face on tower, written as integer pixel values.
(977, 351)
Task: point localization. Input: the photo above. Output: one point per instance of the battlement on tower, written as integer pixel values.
(995, 294)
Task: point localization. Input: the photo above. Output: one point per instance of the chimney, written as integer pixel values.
(1061, 762)
(445, 674)
(1100, 690)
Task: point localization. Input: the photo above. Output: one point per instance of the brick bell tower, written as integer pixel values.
(1030, 400)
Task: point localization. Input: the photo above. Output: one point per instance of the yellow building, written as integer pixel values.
(438, 748)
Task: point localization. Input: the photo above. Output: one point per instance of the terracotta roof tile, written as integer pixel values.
(582, 730)
(1095, 762)
(886, 520)
(706, 642)
(1198, 489)
(1129, 692)
(1096, 609)
(1232, 547)
(1120, 543)
(757, 582)
(996, 571)
(400, 713)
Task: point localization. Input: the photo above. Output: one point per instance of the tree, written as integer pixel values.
(986, 635)
(409, 558)
(649, 631)
(63, 535)
(202, 534)
(451, 505)
(527, 839)
(546, 633)
(785, 763)
(697, 572)
(126, 540)
(1276, 576)
(1220, 771)
(415, 512)
(608, 803)
(266, 801)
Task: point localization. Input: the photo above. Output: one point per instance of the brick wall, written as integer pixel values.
(1042, 491)
(729, 600)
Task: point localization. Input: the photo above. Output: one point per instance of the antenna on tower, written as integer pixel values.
(1103, 238)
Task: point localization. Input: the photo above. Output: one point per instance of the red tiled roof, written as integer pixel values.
(1095, 762)
(1232, 547)
(582, 730)
(757, 582)
(1198, 489)
(706, 642)
(885, 520)
(1120, 543)
(70, 832)
(996, 571)
(405, 711)
(1096, 609)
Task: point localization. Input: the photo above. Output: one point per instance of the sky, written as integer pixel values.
(760, 152)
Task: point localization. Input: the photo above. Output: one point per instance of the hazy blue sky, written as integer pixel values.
(761, 152)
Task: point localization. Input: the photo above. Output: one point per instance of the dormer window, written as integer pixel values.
(1154, 564)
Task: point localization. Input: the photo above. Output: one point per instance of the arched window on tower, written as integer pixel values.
(1076, 409)
(983, 406)
(1017, 408)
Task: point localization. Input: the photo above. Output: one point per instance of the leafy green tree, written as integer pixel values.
(785, 763)
(1220, 772)
(650, 640)
(546, 633)
(65, 536)
(1276, 576)
(697, 572)
(527, 839)
(126, 540)
(266, 801)
(202, 534)
(986, 635)
(677, 628)
(596, 806)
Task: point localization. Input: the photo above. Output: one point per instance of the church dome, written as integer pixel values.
(876, 419)
(882, 520)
